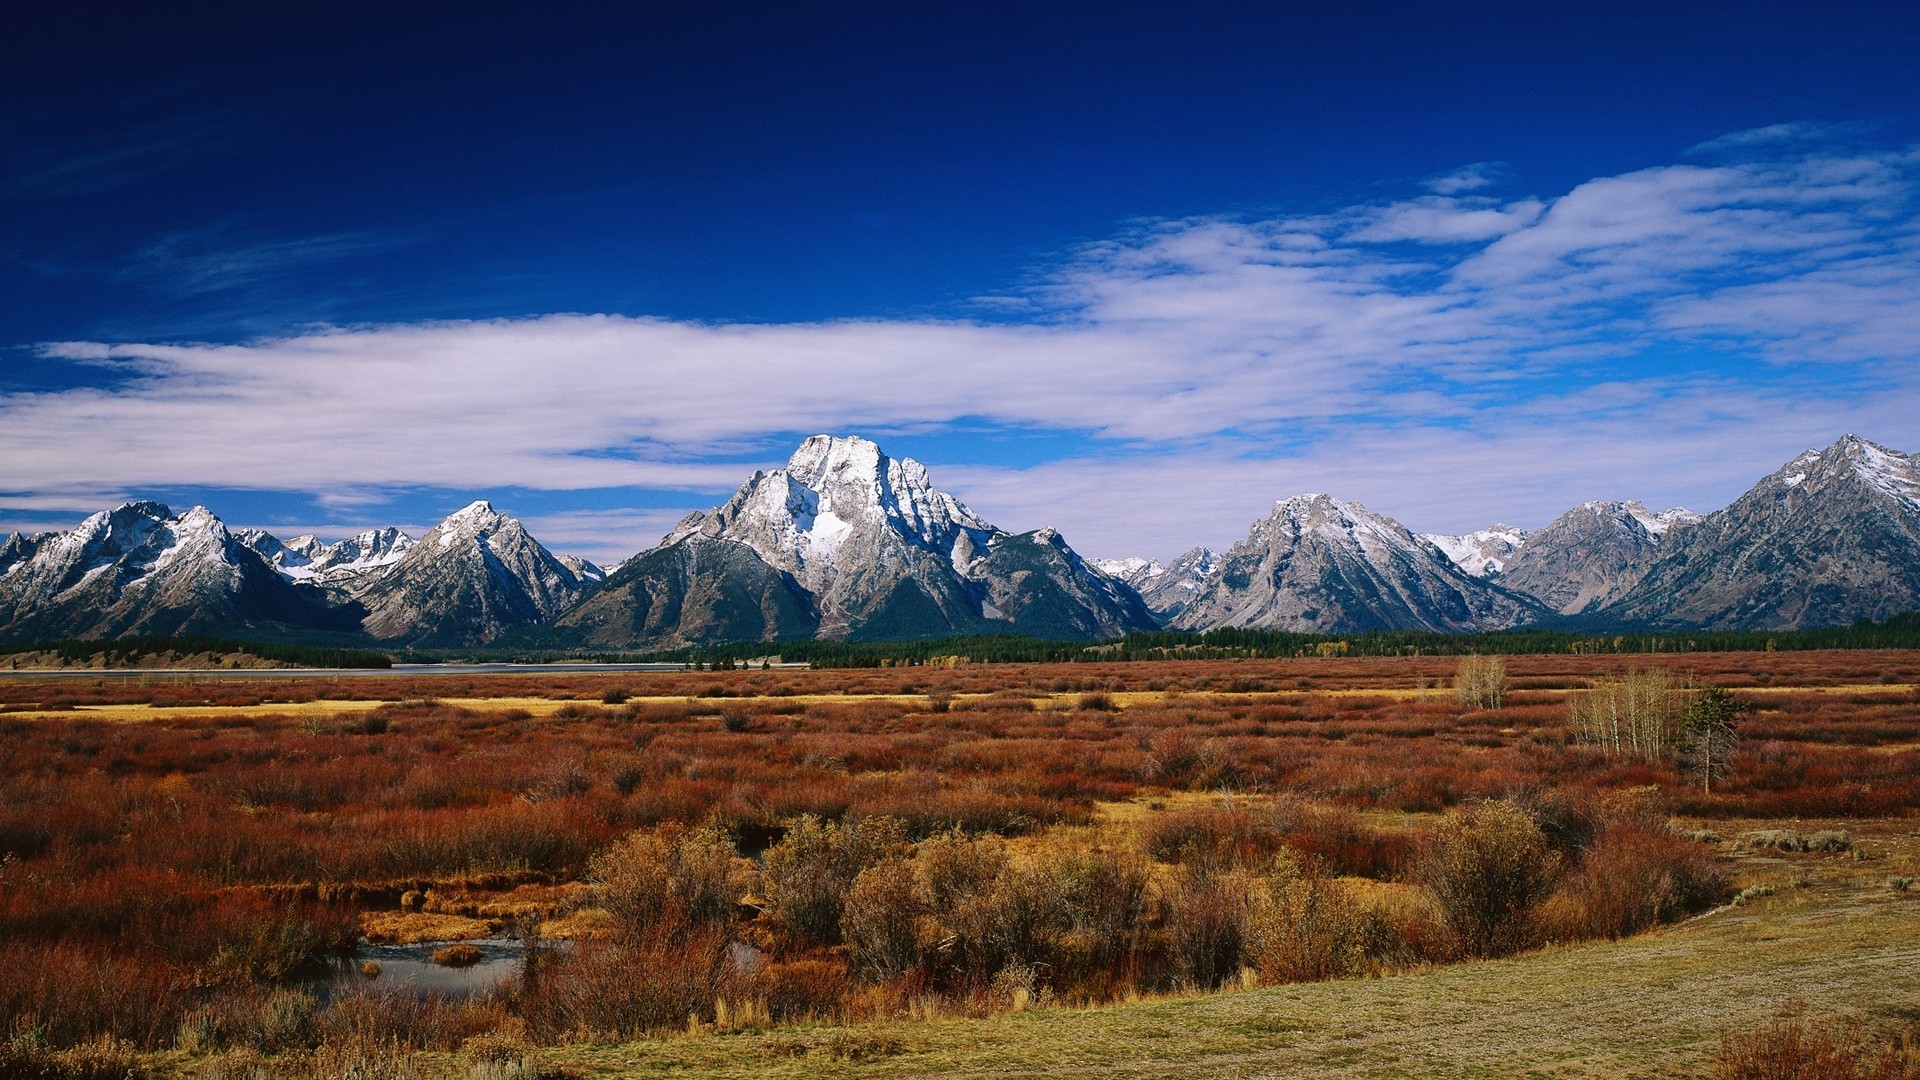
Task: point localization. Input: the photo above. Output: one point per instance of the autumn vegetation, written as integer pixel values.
(188, 866)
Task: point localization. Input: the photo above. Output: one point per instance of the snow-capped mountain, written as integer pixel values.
(1129, 570)
(349, 565)
(1165, 588)
(1590, 555)
(1483, 554)
(471, 578)
(847, 542)
(851, 543)
(141, 569)
(1320, 564)
(1831, 537)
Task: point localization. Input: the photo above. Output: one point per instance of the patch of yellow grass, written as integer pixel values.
(411, 927)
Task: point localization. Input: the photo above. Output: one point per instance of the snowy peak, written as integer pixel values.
(1830, 537)
(1167, 589)
(860, 544)
(350, 564)
(139, 568)
(1483, 553)
(1854, 459)
(839, 491)
(1133, 570)
(583, 569)
(473, 577)
(1590, 555)
(1322, 564)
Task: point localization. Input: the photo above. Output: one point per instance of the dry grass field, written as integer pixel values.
(1258, 868)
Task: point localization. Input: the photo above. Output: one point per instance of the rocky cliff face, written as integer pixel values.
(473, 577)
(1831, 537)
(875, 550)
(140, 569)
(1590, 555)
(1318, 564)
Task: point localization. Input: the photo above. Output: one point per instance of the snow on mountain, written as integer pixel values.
(470, 579)
(140, 569)
(1166, 588)
(1129, 570)
(1321, 564)
(583, 569)
(349, 565)
(1590, 555)
(1830, 537)
(870, 548)
(1483, 553)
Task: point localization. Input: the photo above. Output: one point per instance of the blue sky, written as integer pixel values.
(1134, 271)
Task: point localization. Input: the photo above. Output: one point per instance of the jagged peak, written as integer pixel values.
(818, 455)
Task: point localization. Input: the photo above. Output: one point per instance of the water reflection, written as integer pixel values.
(411, 967)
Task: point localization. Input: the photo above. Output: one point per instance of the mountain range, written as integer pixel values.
(846, 542)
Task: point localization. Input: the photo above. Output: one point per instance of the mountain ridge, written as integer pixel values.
(845, 542)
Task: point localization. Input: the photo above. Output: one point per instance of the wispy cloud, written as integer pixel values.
(190, 263)
(1450, 357)
(116, 157)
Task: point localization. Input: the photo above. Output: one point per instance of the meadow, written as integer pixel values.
(760, 870)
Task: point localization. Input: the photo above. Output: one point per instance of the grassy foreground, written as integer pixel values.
(1841, 942)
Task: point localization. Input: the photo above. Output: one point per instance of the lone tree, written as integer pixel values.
(1710, 734)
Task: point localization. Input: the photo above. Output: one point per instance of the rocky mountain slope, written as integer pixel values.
(1166, 589)
(850, 543)
(1322, 565)
(1831, 537)
(473, 577)
(141, 569)
(1590, 555)
(846, 542)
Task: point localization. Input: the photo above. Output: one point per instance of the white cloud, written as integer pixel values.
(1449, 358)
(1468, 178)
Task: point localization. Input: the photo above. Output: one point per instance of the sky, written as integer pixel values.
(1133, 271)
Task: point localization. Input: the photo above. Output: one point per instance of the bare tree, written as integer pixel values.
(1638, 714)
(1480, 681)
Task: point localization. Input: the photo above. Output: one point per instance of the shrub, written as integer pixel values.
(288, 1020)
(636, 984)
(668, 874)
(808, 873)
(1234, 834)
(1636, 876)
(802, 990)
(1489, 866)
(1791, 1048)
(1310, 926)
(880, 921)
(1207, 926)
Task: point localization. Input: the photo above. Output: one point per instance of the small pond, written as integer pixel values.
(404, 967)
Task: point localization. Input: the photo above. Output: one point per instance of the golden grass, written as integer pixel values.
(412, 927)
(1067, 701)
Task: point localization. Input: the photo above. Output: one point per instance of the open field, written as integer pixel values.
(1262, 867)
